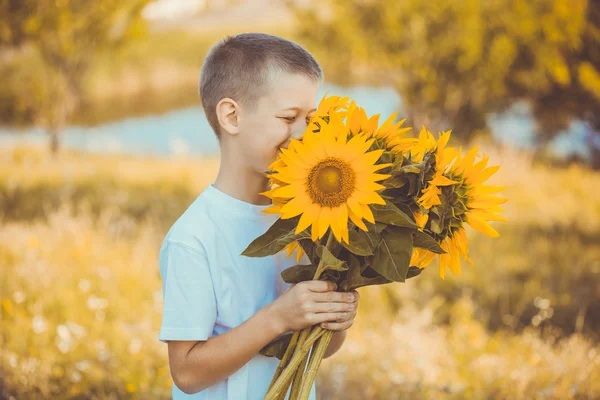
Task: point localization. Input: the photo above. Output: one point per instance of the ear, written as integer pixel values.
(228, 113)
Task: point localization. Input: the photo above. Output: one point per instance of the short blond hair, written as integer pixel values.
(240, 67)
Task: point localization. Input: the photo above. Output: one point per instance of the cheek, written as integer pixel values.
(277, 136)
(281, 132)
(264, 145)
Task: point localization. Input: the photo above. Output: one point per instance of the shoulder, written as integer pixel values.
(194, 229)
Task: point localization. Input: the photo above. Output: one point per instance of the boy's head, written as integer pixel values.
(257, 91)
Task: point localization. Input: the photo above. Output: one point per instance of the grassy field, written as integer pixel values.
(81, 299)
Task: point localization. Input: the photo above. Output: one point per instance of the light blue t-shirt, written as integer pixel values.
(209, 288)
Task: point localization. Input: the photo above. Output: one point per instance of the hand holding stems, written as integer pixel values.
(305, 306)
(311, 304)
(314, 302)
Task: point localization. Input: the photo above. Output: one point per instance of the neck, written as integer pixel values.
(241, 182)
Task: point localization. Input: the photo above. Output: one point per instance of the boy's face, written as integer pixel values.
(281, 114)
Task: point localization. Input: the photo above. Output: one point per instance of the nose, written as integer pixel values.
(298, 132)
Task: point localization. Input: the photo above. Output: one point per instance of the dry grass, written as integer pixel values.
(81, 299)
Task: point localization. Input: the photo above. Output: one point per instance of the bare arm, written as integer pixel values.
(197, 365)
(336, 343)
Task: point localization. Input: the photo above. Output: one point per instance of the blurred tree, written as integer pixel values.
(62, 38)
(454, 62)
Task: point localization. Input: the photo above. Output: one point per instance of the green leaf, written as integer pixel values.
(411, 169)
(414, 184)
(387, 157)
(396, 182)
(372, 236)
(330, 261)
(279, 235)
(434, 225)
(310, 248)
(355, 279)
(278, 346)
(406, 210)
(392, 255)
(377, 227)
(413, 271)
(358, 244)
(424, 241)
(392, 215)
(331, 275)
(353, 261)
(299, 273)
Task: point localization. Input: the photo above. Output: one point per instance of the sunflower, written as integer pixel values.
(327, 178)
(466, 202)
(327, 106)
(276, 209)
(295, 246)
(481, 206)
(392, 133)
(358, 121)
(443, 157)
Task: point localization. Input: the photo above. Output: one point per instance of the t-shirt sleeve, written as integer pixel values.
(190, 306)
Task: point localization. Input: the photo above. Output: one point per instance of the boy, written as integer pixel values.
(221, 308)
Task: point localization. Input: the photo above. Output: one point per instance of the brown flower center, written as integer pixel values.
(331, 182)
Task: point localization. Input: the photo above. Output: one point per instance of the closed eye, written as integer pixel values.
(290, 119)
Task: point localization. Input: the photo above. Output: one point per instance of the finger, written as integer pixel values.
(337, 326)
(333, 317)
(329, 297)
(321, 286)
(332, 307)
(355, 294)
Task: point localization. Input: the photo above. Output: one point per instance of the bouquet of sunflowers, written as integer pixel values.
(368, 206)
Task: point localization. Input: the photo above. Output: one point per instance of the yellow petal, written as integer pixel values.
(300, 254)
(455, 262)
(482, 189)
(354, 206)
(367, 213)
(368, 159)
(486, 202)
(441, 180)
(368, 197)
(284, 192)
(460, 239)
(357, 220)
(479, 224)
(291, 157)
(314, 232)
(293, 208)
(483, 176)
(308, 217)
(324, 221)
(488, 216)
(443, 140)
(444, 259)
(272, 210)
(336, 223)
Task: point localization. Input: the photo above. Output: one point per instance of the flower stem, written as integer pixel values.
(305, 339)
(300, 352)
(313, 365)
(297, 381)
(286, 357)
(282, 383)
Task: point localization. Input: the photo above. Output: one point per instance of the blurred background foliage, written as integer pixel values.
(61, 40)
(80, 227)
(456, 62)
